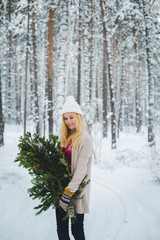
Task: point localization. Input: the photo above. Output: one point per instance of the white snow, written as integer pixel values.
(124, 198)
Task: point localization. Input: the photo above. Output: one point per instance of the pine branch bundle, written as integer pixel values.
(46, 164)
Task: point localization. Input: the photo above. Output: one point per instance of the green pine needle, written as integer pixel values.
(46, 164)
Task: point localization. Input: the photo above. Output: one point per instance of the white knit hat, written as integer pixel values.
(71, 106)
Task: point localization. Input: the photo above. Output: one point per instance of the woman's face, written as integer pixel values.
(70, 120)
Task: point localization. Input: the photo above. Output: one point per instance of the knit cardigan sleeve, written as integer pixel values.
(80, 162)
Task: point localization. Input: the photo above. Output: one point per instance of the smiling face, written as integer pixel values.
(70, 120)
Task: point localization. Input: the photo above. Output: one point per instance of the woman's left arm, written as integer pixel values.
(84, 156)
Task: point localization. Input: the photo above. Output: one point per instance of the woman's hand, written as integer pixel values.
(65, 199)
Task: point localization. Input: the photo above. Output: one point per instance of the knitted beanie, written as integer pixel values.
(71, 106)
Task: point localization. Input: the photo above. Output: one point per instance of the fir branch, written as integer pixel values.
(50, 173)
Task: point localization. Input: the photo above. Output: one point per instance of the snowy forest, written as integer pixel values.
(107, 55)
(104, 53)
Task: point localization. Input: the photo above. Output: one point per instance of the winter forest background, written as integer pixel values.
(104, 53)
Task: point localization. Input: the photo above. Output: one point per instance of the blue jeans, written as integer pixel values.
(62, 226)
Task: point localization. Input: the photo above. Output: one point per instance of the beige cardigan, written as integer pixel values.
(80, 166)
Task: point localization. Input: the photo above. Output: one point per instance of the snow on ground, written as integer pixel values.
(124, 196)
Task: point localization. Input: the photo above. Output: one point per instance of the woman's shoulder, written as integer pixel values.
(86, 134)
(86, 138)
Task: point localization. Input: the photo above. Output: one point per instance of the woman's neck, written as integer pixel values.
(71, 132)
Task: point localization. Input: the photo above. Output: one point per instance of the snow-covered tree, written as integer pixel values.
(150, 68)
(50, 69)
(1, 115)
(61, 64)
(100, 52)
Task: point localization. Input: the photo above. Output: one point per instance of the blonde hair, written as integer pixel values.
(66, 135)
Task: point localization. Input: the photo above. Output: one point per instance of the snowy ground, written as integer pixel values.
(124, 199)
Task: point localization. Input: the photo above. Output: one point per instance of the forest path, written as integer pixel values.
(119, 210)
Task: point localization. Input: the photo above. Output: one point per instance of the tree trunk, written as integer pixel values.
(105, 125)
(94, 61)
(17, 94)
(36, 110)
(91, 48)
(50, 71)
(108, 58)
(139, 86)
(137, 89)
(26, 71)
(79, 53)
(121, 93)
(112, 96)
(86, 67)
(9, 68)
(1, 115)
(62, 52)
(151, 137)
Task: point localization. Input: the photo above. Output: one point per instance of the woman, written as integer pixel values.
(77, 148)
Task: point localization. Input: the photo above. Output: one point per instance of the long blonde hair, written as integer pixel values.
(66, 135)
